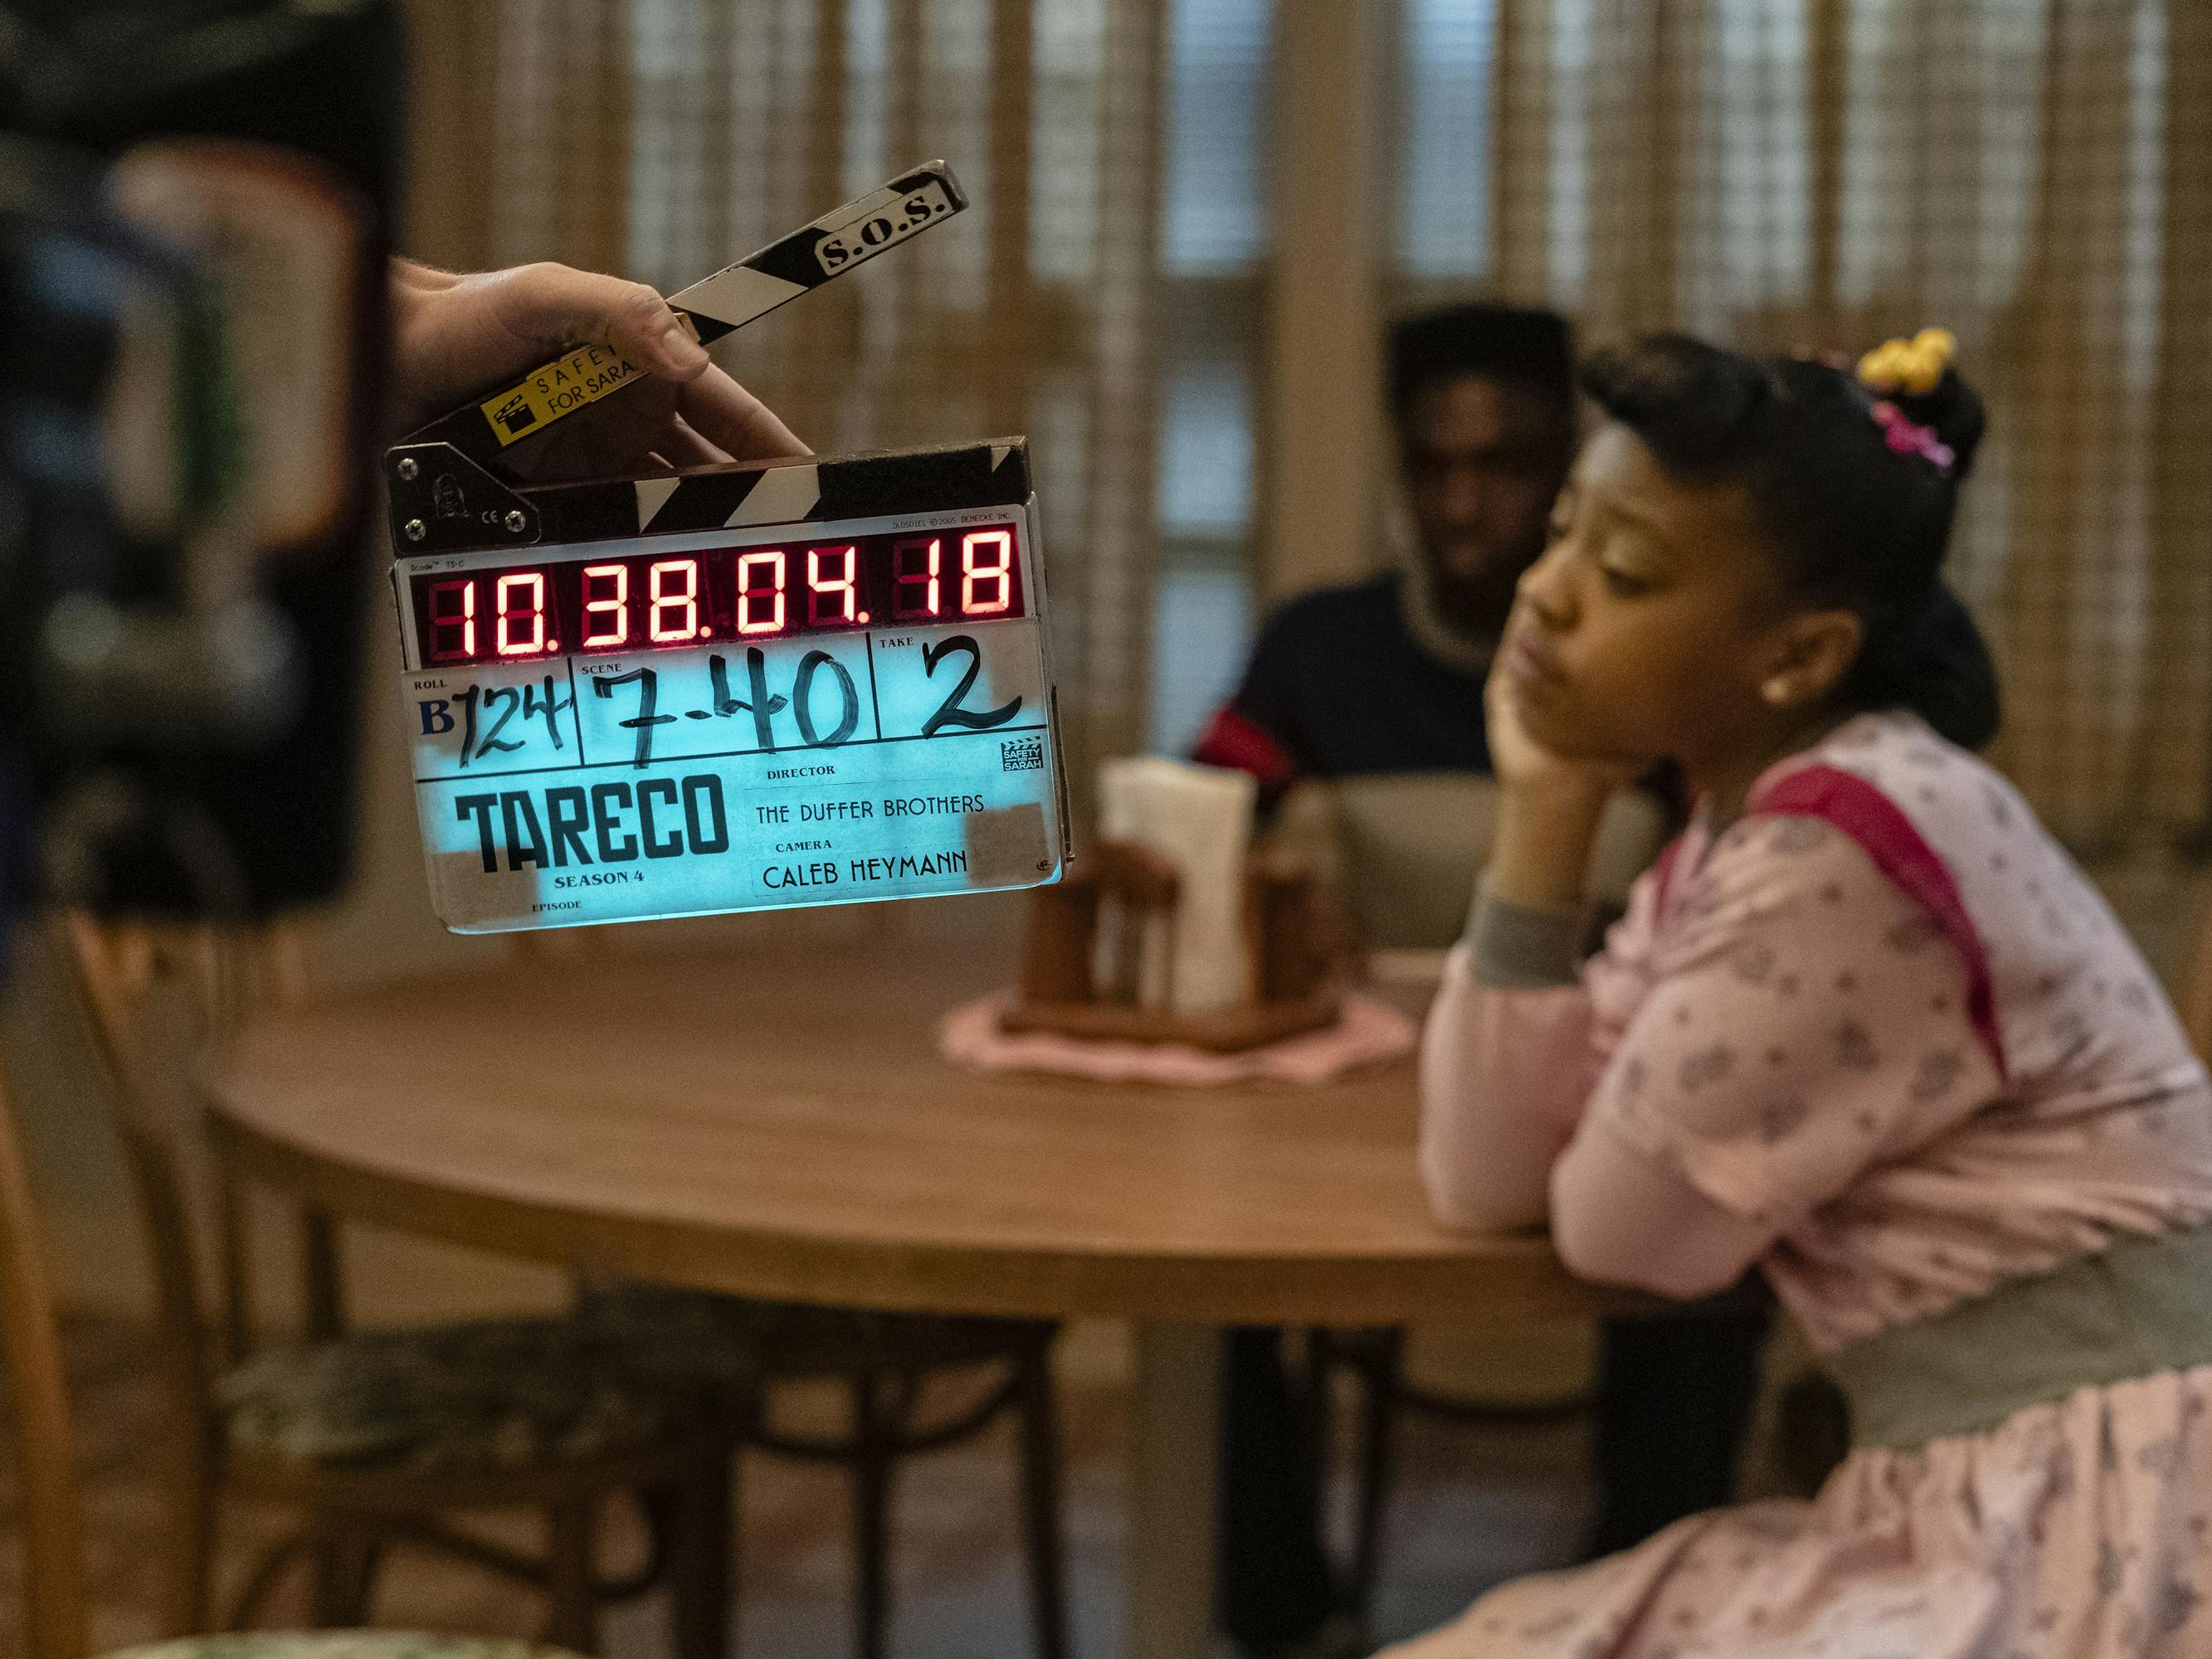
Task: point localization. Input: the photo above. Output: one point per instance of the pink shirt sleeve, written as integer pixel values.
(1503, 1074)
(1506, 1070)
(1697, 1093)
(1803, 1022)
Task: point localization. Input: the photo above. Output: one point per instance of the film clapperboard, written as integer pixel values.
(727, 688)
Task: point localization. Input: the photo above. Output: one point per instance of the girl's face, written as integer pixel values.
(1653, 625)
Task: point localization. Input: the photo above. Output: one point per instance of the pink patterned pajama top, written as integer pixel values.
(1882, 1037)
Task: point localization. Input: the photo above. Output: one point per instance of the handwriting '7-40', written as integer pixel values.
(486, 714)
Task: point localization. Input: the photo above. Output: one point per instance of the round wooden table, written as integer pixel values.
(779, 1125)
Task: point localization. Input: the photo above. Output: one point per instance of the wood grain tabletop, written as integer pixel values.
(777, 1122)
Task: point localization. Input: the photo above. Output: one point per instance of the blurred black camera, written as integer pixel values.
(194, 203)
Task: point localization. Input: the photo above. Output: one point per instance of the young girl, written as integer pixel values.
(1864, 1027)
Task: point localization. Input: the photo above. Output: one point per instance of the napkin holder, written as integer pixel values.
(1118, 897)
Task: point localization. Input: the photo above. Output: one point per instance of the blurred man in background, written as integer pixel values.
(1386, 675)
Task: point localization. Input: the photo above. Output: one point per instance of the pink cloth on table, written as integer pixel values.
(1367, 1033)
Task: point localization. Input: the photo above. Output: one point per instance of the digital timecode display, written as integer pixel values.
(519, 613)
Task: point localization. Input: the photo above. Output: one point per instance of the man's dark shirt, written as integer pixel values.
(1338, 686)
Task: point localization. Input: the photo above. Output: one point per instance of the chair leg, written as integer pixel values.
(1378, 1424)
(702, 1560)
(573, 1619)
(1322, 1361)
(266, 1575)
(360, 1590)
(188, 1571)
(872, 1503)
(1040, 1477)
(345, 1573)
(325, 1594)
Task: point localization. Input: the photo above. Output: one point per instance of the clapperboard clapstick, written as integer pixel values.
(487, 430)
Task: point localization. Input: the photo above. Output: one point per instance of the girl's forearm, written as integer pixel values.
(1539, 853)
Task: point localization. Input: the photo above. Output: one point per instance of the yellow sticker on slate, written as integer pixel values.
(585, 375)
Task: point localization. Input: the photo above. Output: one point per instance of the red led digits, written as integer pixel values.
(914, 585)
(834, 600)
(684, 602)
(446, 622)
(986, 559)
(615, 606)
(629, 601)
(503, 632)
(753, 592)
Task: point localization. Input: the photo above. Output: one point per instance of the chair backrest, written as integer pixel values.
(134, 982)
(115, 970)
(217, 978)
(130, 977)
(1408, 847)
(126, 976)
(55, 1621)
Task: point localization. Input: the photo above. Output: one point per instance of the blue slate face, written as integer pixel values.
(739, 774)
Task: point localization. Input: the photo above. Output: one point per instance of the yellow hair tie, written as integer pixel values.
(1914, 366)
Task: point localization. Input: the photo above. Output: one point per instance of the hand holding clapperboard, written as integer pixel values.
(727, 686)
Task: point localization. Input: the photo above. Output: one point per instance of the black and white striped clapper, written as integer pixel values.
(487, 428)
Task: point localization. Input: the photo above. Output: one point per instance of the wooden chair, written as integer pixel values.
(55, 1613)
(380, 1437)
(883, 1362)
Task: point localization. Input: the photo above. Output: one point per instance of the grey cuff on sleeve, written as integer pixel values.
(1519, 949)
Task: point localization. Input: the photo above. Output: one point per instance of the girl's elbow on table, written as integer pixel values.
(1622, 1217)
(1591, 1252)
(1656, 1244)
(1465, 1205)
(1617, 1215)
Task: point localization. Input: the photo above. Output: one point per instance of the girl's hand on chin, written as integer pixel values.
(1525, 766)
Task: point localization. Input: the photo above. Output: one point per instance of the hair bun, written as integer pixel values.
(1953, 410)
(1936, 662)
(1918, 375)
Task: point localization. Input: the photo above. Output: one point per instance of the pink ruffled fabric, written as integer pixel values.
(1368, 1033)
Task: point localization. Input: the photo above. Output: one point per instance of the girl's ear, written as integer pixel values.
(1808, 658)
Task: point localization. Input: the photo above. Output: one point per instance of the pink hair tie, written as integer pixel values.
(1908, 437)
